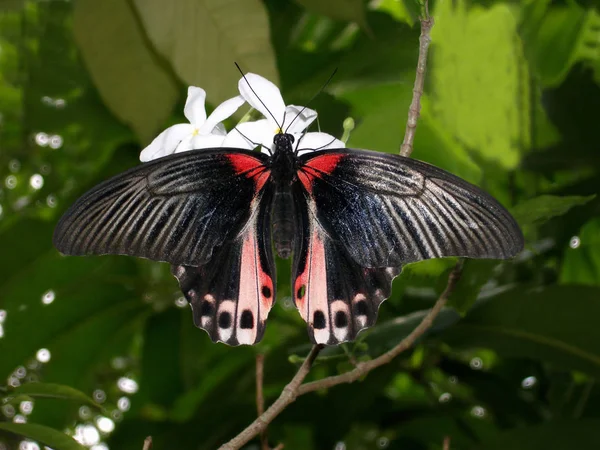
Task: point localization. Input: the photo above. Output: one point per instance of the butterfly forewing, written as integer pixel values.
(387, 210)
(176, 209)
(364, 215)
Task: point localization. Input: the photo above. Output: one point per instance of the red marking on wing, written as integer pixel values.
(317, 167)
(250, 167)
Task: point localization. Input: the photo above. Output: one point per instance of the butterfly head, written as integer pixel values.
(283, 142)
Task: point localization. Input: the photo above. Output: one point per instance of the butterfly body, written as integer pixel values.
(350, 218)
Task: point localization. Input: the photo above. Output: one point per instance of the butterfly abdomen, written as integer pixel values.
(283, 222)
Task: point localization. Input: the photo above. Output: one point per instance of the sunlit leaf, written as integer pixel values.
(44, 435)
(202, 39)
(130, 79)
(381, 112)
(480, 81)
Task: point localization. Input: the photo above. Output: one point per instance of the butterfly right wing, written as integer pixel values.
(177, 209)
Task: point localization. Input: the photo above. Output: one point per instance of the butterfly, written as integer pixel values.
(350, 218)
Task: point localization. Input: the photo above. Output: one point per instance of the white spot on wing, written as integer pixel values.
(340, 333)
(226, 333)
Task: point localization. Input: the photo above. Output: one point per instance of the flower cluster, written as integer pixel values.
(209, 132)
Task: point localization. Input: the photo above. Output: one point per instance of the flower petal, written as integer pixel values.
(194, 109)
(204, 141)
(318, 141)
(297, 122)
(221, 112)
(263, 96)
(219, 129)
(166, 142)
(249, 135)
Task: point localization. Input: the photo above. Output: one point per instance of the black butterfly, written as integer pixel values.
(351, 219)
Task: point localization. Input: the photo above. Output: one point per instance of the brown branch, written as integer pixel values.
(415, 106)
(147, 443)
(288, 395)
(260, 400)
(446, 445)
(365, 367)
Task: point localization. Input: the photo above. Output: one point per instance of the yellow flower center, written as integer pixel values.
(195, 132)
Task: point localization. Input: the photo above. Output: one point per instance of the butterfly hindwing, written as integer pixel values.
(387, 210)
(334, 295)
(231, 294)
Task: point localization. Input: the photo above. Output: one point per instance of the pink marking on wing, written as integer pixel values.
(317, 167)
(253, 281)
(250, 167)
(314, 280)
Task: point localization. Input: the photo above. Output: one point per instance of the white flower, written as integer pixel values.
(265, 97)
(201, 132)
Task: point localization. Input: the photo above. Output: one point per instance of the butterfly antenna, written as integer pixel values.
(316, 149)
(256, 144)
(313, 97)
(262, 103)
(298, 143)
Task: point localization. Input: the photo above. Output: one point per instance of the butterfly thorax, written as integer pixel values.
(283, 161)
(283, 173)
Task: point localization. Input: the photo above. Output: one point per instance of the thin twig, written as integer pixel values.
(260, 400)
(365, 367)
(288, 395)
(415, 106)
(446, 445)
(147, 443)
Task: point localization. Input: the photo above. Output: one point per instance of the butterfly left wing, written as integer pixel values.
(336, 296)
(369, 213)
(231, 294)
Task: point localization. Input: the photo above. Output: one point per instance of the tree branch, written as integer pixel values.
(288, 395)
(415, 106)
(147, 443)
(260, 400)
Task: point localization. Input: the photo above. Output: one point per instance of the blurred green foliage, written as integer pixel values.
(105, 350)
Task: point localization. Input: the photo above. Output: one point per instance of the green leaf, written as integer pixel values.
(127, 74)
(559, 36)
(581, 264)
(381, 114)
(475, 274)
(346, 10)
(44, 435)
(555, 324)
(52, 390)
(485, 107)
(538, 210)
(201, 39)
(555, 435)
